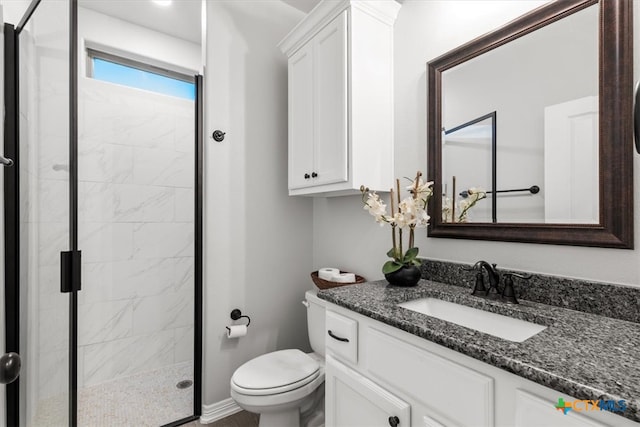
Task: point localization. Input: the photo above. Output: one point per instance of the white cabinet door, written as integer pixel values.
(301, 118)
(330, 118)
(353, 400)
(534, 411)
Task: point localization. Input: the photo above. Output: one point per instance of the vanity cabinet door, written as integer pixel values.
(534, 411)
(353, 400)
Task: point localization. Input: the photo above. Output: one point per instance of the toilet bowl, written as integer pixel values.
(286, 387)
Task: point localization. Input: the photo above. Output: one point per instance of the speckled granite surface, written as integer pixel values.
(617, 301)
(584, 355)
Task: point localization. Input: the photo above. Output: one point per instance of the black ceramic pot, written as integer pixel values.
(406, 276)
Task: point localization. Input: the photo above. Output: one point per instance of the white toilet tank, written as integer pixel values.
(315, 321)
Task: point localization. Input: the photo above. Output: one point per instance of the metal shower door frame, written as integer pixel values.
(12, 217)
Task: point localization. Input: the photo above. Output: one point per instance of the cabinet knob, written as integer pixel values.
(307, 176)
(314, 175)
(394, 421)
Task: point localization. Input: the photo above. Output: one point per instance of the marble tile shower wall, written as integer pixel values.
(136, 172)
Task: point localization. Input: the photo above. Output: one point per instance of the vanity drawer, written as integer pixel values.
(432, 380)
(342, 336)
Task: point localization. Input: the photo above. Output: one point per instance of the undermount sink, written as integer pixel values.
(504, 327)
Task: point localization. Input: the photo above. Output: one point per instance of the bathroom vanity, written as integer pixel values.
(392, 366)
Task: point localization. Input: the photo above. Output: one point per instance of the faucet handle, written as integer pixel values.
(522, 276)
(478, 288)
(508, 293)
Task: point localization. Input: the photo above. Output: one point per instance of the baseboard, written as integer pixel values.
(219, 410)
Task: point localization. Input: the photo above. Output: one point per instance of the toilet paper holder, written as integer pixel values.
(237, 314)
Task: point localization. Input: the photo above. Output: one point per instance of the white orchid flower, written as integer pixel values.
(424, 189)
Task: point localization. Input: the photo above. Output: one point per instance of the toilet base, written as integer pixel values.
(289, 418)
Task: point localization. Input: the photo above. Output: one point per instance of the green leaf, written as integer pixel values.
(416, 263)
(411, 254)
(390, 267)
(391, 253)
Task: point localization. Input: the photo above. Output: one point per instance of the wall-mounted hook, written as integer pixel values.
(237, 314)
(218, 135)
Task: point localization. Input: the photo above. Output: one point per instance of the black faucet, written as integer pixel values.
(507, 294)
(494, 280)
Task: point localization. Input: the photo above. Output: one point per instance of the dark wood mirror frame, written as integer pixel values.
(615, 229)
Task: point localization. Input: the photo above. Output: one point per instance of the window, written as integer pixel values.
(127, 72)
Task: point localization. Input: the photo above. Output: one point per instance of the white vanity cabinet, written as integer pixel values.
(397, 374)
(352, 400)
(340, 64)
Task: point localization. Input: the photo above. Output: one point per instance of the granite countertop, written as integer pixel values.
(584, 355)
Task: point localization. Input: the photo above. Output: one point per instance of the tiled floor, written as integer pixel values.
(147, 399)
(150, 399)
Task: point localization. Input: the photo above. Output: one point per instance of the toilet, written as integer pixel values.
(286, 387)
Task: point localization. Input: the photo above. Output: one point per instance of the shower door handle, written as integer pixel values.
(9, 367)
(6, 162)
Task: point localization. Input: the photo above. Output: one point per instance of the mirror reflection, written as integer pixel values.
(544, 88)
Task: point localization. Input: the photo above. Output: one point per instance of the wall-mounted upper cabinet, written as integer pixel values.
(341, 98)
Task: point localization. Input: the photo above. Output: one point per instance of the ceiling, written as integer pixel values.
(180, 19)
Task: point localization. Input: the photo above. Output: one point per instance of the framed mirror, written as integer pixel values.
(557, 167)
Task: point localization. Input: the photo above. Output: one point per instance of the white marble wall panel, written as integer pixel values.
(110, 320)
(53, 201)
(119, 358)
(106, 241)
(163, 240)
(136, 167)
(184, 344)
(54, 373)
(163, 167)
(144, 127)
(51, 239)
(54, 326)
(184, 205)
(132, 279)
(162, 312)
(144, 203)
(105, 163)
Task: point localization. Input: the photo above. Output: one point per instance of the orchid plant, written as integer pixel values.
(407, 213)
(474, 195)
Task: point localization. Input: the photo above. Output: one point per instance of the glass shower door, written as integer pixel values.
(44, 223)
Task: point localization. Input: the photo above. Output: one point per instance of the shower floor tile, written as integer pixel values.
(147, 399)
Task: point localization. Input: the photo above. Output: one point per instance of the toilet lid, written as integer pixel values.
(275, 372)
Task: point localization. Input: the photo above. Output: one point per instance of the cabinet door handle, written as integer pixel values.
(307, 176)
(394, 421)
(335, 337)
(314, 175)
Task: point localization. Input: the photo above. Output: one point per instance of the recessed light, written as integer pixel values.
(163, 2)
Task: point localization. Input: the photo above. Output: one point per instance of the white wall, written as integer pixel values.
(119, 36)
(13, 10)
(257, 239)
(346, 236)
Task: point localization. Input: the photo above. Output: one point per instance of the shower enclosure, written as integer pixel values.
(103, 219)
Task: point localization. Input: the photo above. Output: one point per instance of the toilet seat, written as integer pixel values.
(275, 373)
